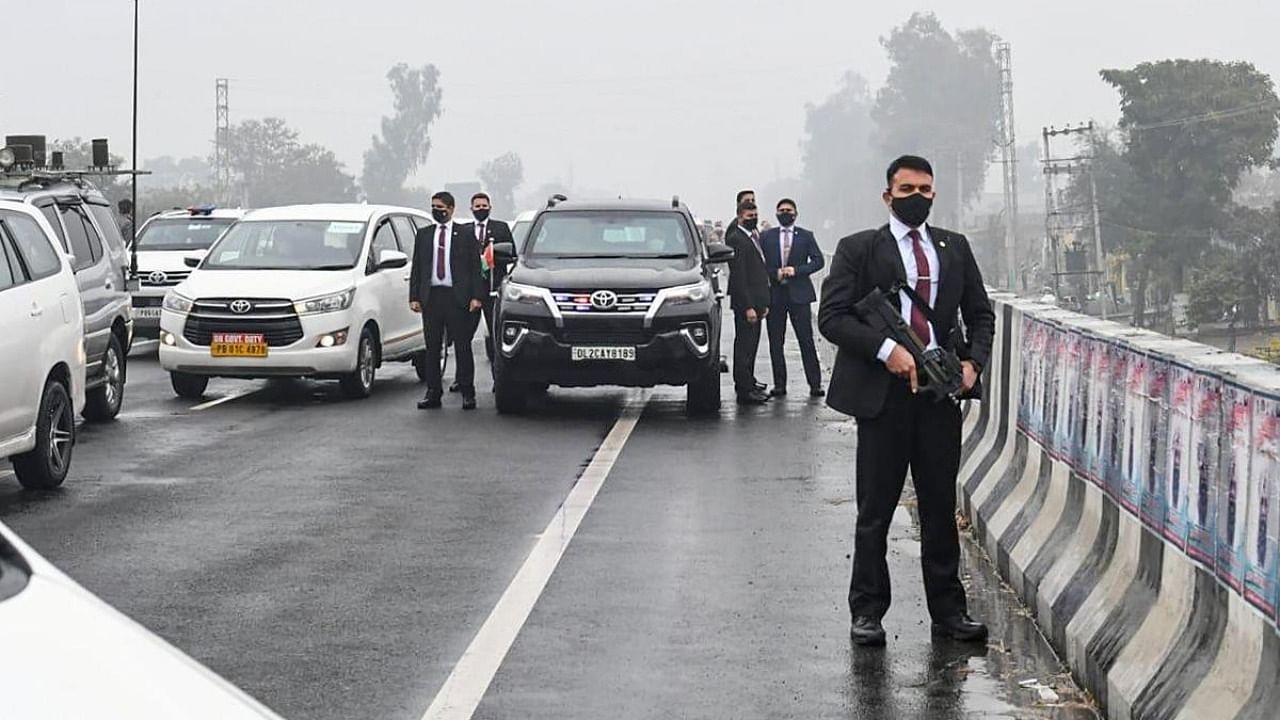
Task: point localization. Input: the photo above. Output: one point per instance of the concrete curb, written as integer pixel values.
(1081, 484)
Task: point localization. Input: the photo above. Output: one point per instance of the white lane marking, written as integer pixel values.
(225, 399)
(6, 473)
(466, 685)
(145, 344)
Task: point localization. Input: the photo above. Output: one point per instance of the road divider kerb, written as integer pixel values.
(467, 684)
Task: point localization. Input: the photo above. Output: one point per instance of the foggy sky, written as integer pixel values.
(695, 97)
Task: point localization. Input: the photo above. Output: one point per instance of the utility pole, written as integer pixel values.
(1009, 160)
(1079, 165)
(221, 140)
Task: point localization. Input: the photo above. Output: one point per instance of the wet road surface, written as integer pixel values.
(336, 558)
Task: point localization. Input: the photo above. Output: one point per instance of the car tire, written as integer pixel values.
(188, 386)
(420, 365)
(102, 404)
(703, 398)
(46, 466)
(510, 397)
(359, 383)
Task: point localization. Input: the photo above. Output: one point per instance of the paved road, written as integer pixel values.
(336, 559)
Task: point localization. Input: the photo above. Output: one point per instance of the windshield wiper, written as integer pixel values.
(328, 267)
(671, 256)
(587, 257)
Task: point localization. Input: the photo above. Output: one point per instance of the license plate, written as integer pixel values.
(146, 313)
(251, 345)
(604, 353)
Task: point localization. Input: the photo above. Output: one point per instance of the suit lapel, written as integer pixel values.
(889, 245)
(942, 246)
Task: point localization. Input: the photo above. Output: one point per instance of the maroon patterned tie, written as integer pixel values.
(919, 323)
(440, 258)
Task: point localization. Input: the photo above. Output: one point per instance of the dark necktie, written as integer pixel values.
(480, 236)
(440, 258)
(755, 240)
(919, 323)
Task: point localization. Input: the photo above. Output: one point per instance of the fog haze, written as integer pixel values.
(697, 97)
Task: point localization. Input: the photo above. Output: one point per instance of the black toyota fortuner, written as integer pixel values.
(611, 293)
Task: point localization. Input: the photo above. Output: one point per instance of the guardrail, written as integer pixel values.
(1127, 486)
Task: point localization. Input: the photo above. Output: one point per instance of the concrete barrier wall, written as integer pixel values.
(1127, 486)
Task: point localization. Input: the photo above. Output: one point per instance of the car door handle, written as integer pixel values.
(36, 310)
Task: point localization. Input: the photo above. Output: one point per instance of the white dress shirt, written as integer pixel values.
(901, 233)
(436, 281)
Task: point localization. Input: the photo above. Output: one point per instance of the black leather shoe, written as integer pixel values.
(961, 628)
(469, 402)
(724, 365)
(430, 402)
(867, 632)
(778, 392)
(453, 387)
(817, 392)
(753, 398)
(761, 387)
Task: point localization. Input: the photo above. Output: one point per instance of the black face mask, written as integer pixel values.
(441, 216)
(786, 219)
(480, 215)
(751, 224)
(913, 209)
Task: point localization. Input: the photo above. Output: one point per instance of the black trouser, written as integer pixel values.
(918, 433)
(443, 310)
(746, 343)
(802, 320)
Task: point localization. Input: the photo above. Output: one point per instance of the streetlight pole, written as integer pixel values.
(133, 211)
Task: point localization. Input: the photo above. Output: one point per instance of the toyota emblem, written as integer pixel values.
(157, 278)
(604, 299)
(240, 307)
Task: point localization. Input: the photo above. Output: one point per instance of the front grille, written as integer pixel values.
(274, 319)
(168, 278)
(629, 302)
(604, 337)
(140, 301)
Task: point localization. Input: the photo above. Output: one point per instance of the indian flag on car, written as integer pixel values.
(486, 259)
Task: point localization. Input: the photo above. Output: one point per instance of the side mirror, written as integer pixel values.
(719, 253)
(391, 259)
(193, 260)
(504, 252)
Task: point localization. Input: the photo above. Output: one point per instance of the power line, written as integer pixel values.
(1212, 116)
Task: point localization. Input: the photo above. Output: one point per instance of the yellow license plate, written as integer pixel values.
(238, 345)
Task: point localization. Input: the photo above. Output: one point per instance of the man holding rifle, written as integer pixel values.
(877, 378)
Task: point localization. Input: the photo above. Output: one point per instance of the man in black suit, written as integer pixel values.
(875, 381)
(749, 298)
(488, 232)
(792, 255)
(445, 286)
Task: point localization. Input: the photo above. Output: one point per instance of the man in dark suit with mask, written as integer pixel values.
(445, 286)
(488, 232)
(792, 255)
(875, 380)
(749, 298)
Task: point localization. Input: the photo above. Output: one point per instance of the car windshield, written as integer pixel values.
(182, 233)
(519, 232)
(611, 234)
(288, 245)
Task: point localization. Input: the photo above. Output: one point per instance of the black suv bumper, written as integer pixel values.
(677, 348)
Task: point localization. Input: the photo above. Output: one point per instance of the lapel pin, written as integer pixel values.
(941, 244)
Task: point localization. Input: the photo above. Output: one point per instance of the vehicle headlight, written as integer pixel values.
(326, 303)
(177, 303)
(688, 294)
(524, 294)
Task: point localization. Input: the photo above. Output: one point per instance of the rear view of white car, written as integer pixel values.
(41, 349)
(317, 291)
(67, 654)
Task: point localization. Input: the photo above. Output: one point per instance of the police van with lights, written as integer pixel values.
(610, 293)
(163, 243)
(85, 227)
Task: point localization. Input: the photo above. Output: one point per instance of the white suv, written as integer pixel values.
(41, 349)
(305, 291)
(164, 241)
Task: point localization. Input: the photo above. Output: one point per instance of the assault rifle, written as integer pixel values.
(939, 372)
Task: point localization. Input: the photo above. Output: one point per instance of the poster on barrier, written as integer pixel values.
(1063, 380)
(1181, 451)
(1156, 425)
(1097, 360)
(1133, 435)
(1233, 484)
(1206, 437)
(1264, 478)
(1117, 419)
(1079, 366)
(1031, 412)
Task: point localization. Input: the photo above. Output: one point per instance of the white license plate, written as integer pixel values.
(604, 353)
(147, 313)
